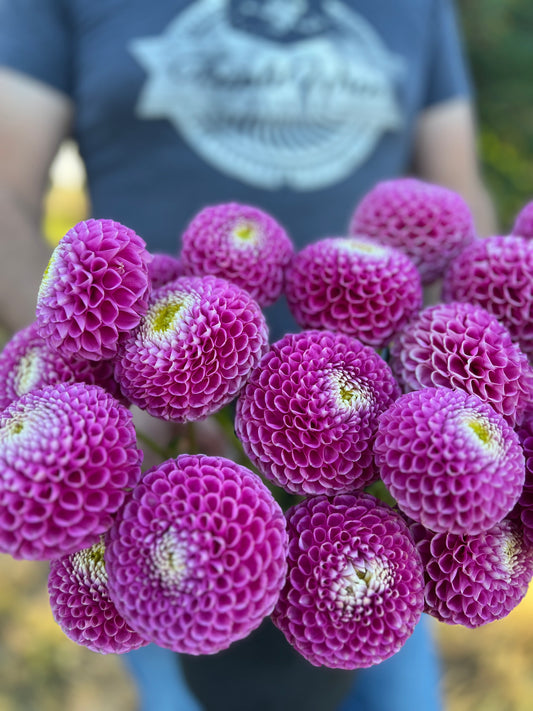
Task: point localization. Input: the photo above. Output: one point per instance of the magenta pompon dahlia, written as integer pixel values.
(164, 268)
(354, 590)
(449, 460)
(523, 225)
(496, 273)
(429, 223)
(28, 363)
(239, 243)
(94, 289)
(68, 455)
(193, 350)
(463, 347)
(81, 606)
(523, 511)
(197, 556)
(354, 286)
(307, 417)
(474, 579)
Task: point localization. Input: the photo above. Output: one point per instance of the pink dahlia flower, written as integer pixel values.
(463, 347)
(523, 225)
(429, 223)
(307, 417)
(67, 457)
(354, 286)
(77, 586)
(354, 590)
(193, 350)
(94, 289)
(449, 460)
(474, 579)
(197, 556)
(164, 268)
(496, 273)
(28, 363)
(241, 244)
(523, 511)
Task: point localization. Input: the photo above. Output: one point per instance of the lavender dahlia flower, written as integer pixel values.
(164, 268)
(449, 460)
(474, 579)
(28, 363)
(67, 457)
(354, 591)
(523, 225)
(462, 346)
(429, 223)
(193, 350)
(354, 286)
(94, 289)
(197, 556)
(308, 415)
(241, 244)
(496, 273)
(81, 606)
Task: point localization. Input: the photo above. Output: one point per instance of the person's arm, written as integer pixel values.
(445, 152)
(34, 119)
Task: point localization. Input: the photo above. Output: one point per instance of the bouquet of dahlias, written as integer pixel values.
(398, 438)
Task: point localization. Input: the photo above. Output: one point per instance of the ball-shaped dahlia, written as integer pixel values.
(94, 289)
(429, 223)
(239, 243)
(523, 225)
(463, 347)
(68, 455)
(193, 350)
(354, 286)
(164, 268)
(307, 417)
(523, 511)
(197, 556)
(81, 606)
(497, 274)
(474, 579)
(354, 590)
(449, 460)
(28, 363)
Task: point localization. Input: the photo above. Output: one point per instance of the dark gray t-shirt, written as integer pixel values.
(296, 106)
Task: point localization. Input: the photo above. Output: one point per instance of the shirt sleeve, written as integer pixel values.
(448, 75)
(35, 39)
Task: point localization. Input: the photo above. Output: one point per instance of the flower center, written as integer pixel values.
(165, 316)
(28, 372)
(358, 582)
(482, 431)
(88, 565)
(511, 548)
(169, 557)
(365, 248)
(245, 234)
(47, 275)
(347, 392)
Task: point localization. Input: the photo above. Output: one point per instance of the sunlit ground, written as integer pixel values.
(489, 669)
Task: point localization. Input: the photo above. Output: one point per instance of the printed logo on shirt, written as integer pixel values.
(272, 92)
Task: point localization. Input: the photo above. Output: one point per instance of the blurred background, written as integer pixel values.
(491, 668)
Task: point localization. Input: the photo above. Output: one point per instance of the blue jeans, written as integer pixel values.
(409, 681)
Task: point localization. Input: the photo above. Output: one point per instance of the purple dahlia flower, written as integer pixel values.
(67, 457)
(523, 225)
(496, 273)
(429, 223)
(354, 286)
(474, 579)
(94, 289)
(193, 350)
(354, 590)
(449, 460)
(77, 586)
(197, 556)
(241, 244)
(307, 418)
(523, 511)
(28, 363)
(164, 268)
(462, 346)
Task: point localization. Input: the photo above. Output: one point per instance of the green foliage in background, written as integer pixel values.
(499, 42)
